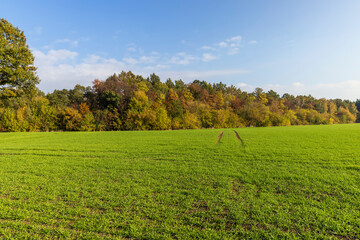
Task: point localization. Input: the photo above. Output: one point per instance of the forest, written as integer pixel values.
(127, 101)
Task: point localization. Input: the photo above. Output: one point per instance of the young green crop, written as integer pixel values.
(287, 182)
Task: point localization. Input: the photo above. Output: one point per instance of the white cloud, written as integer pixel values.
(231, 45)
(182, 58)
(53, 56)
(142, 59)
(66, 40)
(63, 68)
(245, 87)
(234, 44)
(253, 42)
(147, 59)
(208, 48)
(273, 86)
(203, 75)
(297, 84)
(162, 66)
(72, 43)
(234, 41)
(233, 51)
(131, 61)
(92, 59)
(241, 84)
(349, 89)
(156, 68)
(206, 57)
(131, 49)
(56, 72)
(223, 44)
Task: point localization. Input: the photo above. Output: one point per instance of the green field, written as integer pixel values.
(288, 182)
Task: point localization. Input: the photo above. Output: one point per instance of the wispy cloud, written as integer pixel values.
(72, 43)
(234, 44)
(141, 60)
(66, 40)
(206, 57)
(182, 58)
(234, 41)
(228, 46)
(208, 48)
(148, 59)
(131, 61)
(231, 45)
(133, 48)
(155, 68)
(212, 52)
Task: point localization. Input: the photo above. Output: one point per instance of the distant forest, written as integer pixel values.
(132, 102)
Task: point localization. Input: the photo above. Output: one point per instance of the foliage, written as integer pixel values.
(129, 102)
(17, 73)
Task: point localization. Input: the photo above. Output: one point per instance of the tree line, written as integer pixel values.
(127, 101)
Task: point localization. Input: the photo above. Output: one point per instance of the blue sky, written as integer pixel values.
(299, 47)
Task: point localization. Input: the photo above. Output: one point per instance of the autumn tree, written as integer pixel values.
(17, 73)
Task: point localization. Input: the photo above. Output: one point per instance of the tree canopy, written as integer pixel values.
(17, 72)
(127, 101)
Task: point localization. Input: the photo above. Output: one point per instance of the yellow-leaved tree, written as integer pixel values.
(17, 72)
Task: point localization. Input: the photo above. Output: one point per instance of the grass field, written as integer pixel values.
(288, 182)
